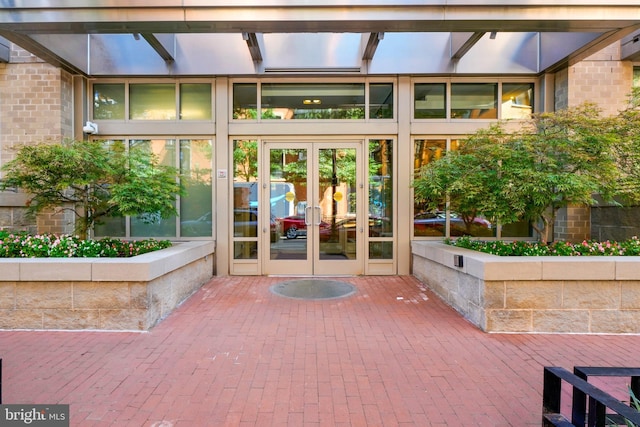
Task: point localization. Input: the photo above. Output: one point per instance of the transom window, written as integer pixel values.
(152, 101)
(313, 101)
(473, 100)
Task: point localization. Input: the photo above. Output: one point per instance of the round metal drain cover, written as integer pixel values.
(313, 289)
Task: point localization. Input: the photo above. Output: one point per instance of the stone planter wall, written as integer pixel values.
(534, 294)
(101, 293)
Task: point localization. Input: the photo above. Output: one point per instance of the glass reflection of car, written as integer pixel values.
(433, 224)
(294, 226)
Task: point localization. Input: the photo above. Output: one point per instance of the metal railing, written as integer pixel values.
(590, 403)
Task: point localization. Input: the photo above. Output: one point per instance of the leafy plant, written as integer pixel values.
(635, 403)
(24, 245)
(629, 247)
(93, 179)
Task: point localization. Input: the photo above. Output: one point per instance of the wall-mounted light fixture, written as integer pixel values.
(90, 128)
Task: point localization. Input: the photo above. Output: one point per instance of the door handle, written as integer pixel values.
(306, 215)
(319, 215)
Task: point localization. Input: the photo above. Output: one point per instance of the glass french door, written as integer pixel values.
(315, 193)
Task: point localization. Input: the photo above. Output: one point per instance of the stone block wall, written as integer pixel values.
(534, 294)
(573, 224)
(69, 299)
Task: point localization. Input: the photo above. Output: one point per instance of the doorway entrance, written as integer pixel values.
(315, 191)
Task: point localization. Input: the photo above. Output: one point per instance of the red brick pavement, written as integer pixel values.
(235, 354)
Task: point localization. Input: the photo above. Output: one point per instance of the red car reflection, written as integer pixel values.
(293, 226)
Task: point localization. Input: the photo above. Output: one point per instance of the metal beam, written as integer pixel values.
(631, 47)
(90, 16)
(254, 47)
(159, 46)
(371, 46)
(5, 49)
(458, 49)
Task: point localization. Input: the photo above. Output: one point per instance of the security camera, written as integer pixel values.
(90, 128)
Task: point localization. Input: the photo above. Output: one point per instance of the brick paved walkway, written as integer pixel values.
(235, 354)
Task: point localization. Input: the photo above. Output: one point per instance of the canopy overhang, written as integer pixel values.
(266, 37)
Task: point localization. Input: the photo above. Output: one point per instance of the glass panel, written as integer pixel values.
(517, 229)
(108, 101)
(111, 226)
(381, 188)
(245, 250)
(151, 224)
(152, 101)
(196, 217)
(380, 250)
(381, 101)
(337, 202)
(245, 101)
(195, 101)
(430, 101)
(474, 100)
(290, 212)
(245, 197)
(636, 76)
(477, 226)
(285, 101)
(426, 222)
(517, 100)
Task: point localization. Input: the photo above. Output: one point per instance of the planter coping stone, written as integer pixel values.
(142, 268)
(494, 267)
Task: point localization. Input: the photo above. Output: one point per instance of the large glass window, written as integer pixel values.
(517, 100)
(152, 101)
(428, 223)
(444, 220)
(430, 101)
(474, 100)
(381, 100)
(195, 206)
(151, 224)
(245, 199)
(636, 76)
(109, 101)
(196, 217)
(195, 101)
(380, 198)
(288, 101)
